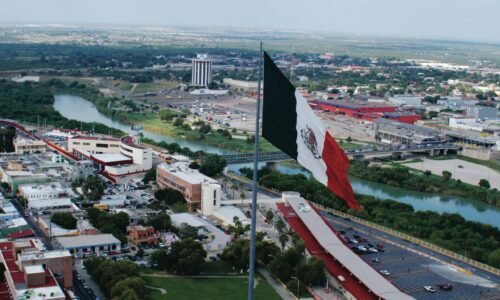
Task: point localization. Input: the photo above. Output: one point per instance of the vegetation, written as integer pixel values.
(451, 231)
(184, 258)
(402, 177)
(150, 175)
(209, 288)
(115, 224)
(160, 222)
(92, 187)
(212, 164)
(7, 136)
(64, 219)
(168, 196)
(119, 280)
(33, 103)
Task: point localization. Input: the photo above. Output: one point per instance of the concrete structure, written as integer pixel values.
(482, 112)
(115, 157)
(201, 74)
(16, 178)
(29, 271)
(27, 146)
(49, 190)
(405, 100)
(465, 123)
(456, 103)
(60, 204)
(90, 244)
(359, 278)
(241, 84)
(189, 182)
(82, 168)
(140, 235)
(399, 133)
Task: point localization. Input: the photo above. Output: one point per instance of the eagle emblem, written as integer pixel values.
(310, 141)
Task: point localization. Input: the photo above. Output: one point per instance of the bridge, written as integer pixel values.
(360, 153)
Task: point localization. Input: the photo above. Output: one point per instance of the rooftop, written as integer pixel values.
(46, 187)
(182, 171)
(87, 240)
(111, 157)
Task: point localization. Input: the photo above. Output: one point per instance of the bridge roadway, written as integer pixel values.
(352, 153)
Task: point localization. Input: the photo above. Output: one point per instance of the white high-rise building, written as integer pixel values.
(202, 70)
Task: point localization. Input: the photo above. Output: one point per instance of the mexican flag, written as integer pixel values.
(290, 124)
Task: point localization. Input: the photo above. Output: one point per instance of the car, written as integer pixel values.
(376, 259)
(385, 272)
(446, 287)
(429, 288)
(362, 248)
(354, 241)
(460, 166)
(373, 250)
(341, 278)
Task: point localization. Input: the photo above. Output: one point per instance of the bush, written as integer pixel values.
(64, 219)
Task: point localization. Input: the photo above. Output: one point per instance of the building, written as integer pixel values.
(82, 168)
(482, 112)
(391, 132)
(30, 271)
(141, 235)
(115, 157)
(16, 178)
(188, 181)
(49, 190)
(201, 72)
(241, 84)
(27, 146)
(405, 100)
(90, 244)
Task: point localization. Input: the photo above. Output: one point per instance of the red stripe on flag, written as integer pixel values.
(337, 166)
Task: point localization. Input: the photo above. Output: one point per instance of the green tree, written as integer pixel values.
(158, 259)
(169, 196)
(134, 284)
(160, 222)
(494, 258)
(269, 216)
(446, 175)
(238, 229)
(64, 219)
(484, 183)
(92, 188)
(283, 240)
(212, 164)
(150, 175)
(186, 257)
(178, 122)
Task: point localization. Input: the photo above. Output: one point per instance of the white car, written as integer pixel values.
(385, 272)
(304, 208)
(429, 289)
(373, 250)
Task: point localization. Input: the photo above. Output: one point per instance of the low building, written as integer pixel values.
(90, 244)
(16, 178)
(141, 235)
(188, 181)
(482, 112)
(82, 169)
(51, 190)
(30, 271)
(27, 146)
(59, 204)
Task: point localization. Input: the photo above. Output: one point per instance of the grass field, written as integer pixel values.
(192, 288)
(492, 164)
(154, 86)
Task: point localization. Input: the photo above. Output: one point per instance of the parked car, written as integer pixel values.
(385, 272)
(376, 259)
(446, 287)
(429, 288)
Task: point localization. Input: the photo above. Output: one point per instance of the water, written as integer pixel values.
(77, 108)
(471, 210)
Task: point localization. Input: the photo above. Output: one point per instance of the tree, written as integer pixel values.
(238, 229)
(283, 240)
(64, 219)
(484, 183)
(169, 196)
(188, 232)
(178, 122)
(494, 258)
(269, 216)
(129, 288)
(212, 164)
(186, 257)
(160, 222)
(349, 139)
(204, 129)
(446, 175)
(280, 225)
(92, 188)
(140, 252)
(432, 114)
(194, 165)
(150, 175)
(158, 259)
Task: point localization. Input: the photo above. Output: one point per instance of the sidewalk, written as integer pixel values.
(88, 280)
(280, 289)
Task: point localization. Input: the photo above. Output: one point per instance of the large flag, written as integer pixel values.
(290, 124)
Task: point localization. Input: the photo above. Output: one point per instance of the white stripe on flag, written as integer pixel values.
(310, 139)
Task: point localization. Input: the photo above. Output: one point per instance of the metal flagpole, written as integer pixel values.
(254, 184)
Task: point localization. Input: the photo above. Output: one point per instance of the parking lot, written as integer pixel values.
(411, 269)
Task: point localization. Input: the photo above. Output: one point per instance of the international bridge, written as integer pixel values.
(357, 154)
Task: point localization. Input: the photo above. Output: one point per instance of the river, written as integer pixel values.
(77, 108)
(471, 210)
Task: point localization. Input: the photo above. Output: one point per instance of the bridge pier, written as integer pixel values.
(445, 151)
(431, 152)
(271, 164)
(358, 157)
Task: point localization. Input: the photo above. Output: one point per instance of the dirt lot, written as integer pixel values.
(468, 172)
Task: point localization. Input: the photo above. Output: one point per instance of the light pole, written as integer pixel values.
(298, 286)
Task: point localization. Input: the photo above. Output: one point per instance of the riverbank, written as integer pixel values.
(451, 231)
(404, 177)
(150, 119)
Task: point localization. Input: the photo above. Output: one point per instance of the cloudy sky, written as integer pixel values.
(451, 19)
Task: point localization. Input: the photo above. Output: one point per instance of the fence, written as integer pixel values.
(412, 239)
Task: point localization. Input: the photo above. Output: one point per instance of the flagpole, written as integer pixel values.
(251, 273)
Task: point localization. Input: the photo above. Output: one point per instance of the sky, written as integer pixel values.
(475, 20)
